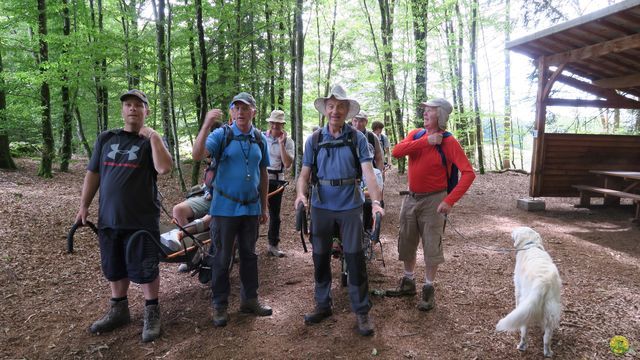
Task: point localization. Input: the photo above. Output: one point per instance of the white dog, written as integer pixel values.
(537, 290)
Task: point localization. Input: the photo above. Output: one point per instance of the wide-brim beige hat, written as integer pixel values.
(277, 116)
(338, 93)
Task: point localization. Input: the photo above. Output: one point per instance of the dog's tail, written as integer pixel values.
(526, 310)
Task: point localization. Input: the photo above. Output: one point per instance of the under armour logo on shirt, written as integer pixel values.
(115, 149)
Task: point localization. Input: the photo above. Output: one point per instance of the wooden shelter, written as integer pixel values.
(598, 53)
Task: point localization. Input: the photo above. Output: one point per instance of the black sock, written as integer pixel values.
(119, 299)
(151, 302)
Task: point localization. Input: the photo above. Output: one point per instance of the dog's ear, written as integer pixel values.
(521, 235)
(516, 234)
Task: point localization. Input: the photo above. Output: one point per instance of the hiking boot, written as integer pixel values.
(407, 287)
(274, 251)
(220, 317)
(428, 299)
(117, 316)
(365, 327)
(151, 329)
(253, 306)
(317, 315)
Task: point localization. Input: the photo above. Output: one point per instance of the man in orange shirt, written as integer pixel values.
(423, 210)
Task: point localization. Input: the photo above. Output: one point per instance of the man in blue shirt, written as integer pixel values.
(336, 200)
(239, 203)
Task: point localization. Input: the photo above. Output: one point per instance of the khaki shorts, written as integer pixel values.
(199, 205)
(419, 220)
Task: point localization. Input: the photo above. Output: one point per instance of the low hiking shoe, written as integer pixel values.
(428, 298)
(220, 317)
(253, 306)
(117, 316)
(365, 326)
(317, 315)
(151, 329)
(407, 287)
(275, 251)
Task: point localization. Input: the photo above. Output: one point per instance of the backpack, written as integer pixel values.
(371, 139)
(351, 141)
(210, 172)
(452, 178)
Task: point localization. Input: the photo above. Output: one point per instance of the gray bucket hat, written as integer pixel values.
(338, 93)
(136, 94)
(444, 110)
(277, 116)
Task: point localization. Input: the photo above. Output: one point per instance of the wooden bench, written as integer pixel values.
(586, 190)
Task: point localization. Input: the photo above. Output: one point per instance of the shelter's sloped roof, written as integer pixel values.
(603, 46)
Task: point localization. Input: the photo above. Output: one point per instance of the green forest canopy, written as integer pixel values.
(389, 54)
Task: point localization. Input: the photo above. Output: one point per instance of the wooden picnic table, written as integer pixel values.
(617, 185)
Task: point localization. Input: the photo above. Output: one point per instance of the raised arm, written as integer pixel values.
(162, 161)
(409, 146)
(199, 151)
(287, 149)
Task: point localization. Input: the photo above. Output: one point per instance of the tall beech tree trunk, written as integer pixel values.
(194, 66)
(6, 161)
(174, 122)
(102, 96)
(129, 20)
(195, 170)
(299, 79)
(395, 112)
(67, 116)
(271, 91)
(292, 91)
(474, 79)
(281, 60)
(332, 45)
(420, 21)
(48, 147)
(162, 73)
(508, 132)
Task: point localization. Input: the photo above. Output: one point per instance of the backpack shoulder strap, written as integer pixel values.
(227, 136)
(257, 134)
(371, 138)
(419, 134)
(452, 176)
(315, 140)
(355, 151)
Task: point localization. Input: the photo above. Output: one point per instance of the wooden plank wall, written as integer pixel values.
(567, 159)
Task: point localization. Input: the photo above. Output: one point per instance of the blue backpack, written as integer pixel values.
(452, 178)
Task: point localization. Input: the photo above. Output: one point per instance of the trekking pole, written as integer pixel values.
(301, 224)
(375, 236)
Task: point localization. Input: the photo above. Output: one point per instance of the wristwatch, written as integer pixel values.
(377, 202)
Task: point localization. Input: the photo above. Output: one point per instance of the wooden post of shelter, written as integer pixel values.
(596, 54)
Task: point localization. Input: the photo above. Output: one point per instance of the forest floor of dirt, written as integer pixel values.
(48, 298)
